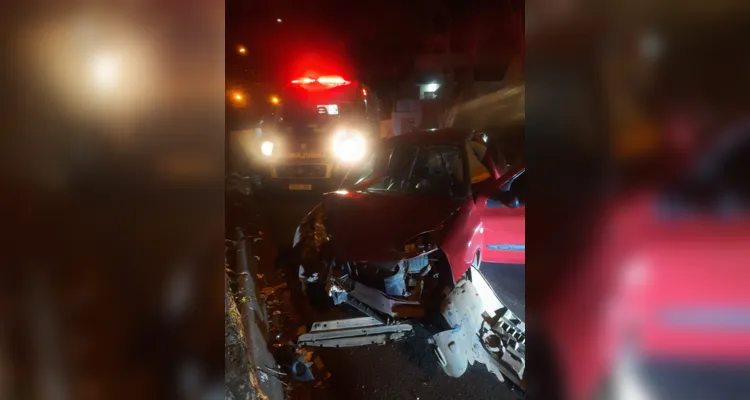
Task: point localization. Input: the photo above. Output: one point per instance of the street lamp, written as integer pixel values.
(241, 50)
(278, 20)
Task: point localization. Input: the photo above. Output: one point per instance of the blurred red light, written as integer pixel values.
(329, 80)
(303, 81)
(332, 80)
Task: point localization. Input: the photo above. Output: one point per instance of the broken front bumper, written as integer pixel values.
(495, 338)
(482, 328)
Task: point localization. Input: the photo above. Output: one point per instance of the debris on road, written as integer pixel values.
(353, 332)
(308, 367)
(273, 371)
(235, 272)
(269, 291)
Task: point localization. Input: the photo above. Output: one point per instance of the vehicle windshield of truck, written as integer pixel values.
(419, 170)
(316, 108)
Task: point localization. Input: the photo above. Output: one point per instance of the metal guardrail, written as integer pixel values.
(253, 315)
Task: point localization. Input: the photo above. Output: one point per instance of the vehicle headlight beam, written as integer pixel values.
(349, 146)
(266, 148)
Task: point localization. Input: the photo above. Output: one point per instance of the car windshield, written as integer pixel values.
(419, 170)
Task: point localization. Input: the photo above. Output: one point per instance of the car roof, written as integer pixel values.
(446, 136)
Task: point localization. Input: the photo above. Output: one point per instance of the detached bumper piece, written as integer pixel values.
(353, 332)
(496, 341)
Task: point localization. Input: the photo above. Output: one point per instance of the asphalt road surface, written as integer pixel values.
(402, 370)
(508, 283)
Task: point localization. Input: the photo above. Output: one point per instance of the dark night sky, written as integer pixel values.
(370, 40)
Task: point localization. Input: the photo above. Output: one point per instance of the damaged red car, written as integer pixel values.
(403, 242)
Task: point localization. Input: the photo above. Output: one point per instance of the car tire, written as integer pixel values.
(434, 321)
(316, 296)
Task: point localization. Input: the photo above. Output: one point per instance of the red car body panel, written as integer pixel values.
(645, 285)
(476, 226)
(463, 239)
(503, 229)
(367, 226)
(371, 226)
(707, 262)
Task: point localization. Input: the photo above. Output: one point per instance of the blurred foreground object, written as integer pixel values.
(663, 293)
(648, 301)
(114, 151)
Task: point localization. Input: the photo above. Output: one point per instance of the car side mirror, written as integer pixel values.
(507, 198)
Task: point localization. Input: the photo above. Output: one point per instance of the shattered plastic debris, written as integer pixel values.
(307, 355)
(269, 291)
(300, 371)
(273, 371)
(309, 367)
(337, 294)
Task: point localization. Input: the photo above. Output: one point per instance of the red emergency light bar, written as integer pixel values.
(330, 80)
(303, 81)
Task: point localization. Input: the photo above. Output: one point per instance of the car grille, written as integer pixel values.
(300, 171)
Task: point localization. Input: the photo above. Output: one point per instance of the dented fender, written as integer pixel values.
(463, 239)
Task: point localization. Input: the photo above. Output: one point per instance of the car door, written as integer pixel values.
(503, 217)
(502, 256)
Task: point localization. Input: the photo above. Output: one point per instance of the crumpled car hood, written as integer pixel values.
(374, 226)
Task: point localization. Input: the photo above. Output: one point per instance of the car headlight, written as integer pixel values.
(349, 146)
(266, 148)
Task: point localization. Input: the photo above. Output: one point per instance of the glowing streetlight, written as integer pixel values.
(237, 97)
(275, 100)
(278, 20)
(242, 50)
